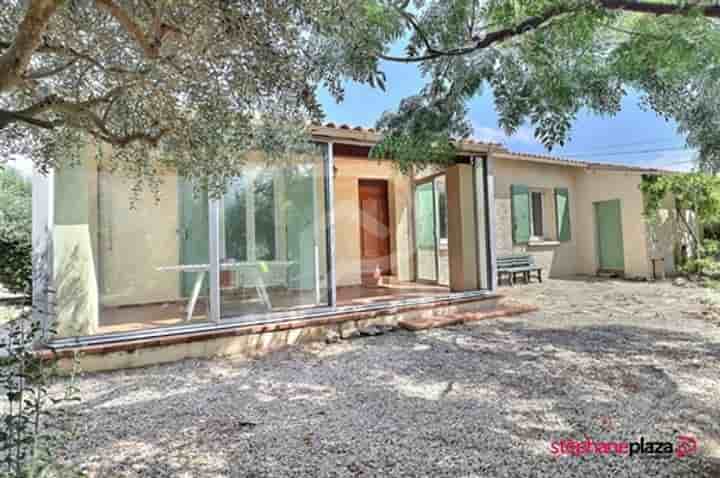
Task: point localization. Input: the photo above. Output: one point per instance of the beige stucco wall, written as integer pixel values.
(135, 238)
(75, 262)
(107, 248)
(347, 217)
(602, 185)
(556, 259)
(462, 231)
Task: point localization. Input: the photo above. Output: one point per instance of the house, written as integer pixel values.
(316, 241)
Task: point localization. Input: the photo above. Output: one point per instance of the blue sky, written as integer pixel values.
(633, 137)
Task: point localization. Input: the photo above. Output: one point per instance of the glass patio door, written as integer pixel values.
(425, 232)
(431, 231)
(272, 240)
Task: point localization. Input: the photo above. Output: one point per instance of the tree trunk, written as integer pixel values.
(14, 61)
(691, 231)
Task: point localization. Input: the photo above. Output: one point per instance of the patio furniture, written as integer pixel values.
(252, 272)
(514, 264)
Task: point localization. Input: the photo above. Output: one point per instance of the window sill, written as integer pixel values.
(543, 243)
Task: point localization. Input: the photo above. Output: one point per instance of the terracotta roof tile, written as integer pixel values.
(502, 150)
(346, 127)
(587, 164)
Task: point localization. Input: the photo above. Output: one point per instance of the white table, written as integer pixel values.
(256, 268)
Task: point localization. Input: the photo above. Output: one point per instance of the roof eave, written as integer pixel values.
(359, 137)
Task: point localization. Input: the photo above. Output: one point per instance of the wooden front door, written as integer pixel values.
(374, 227)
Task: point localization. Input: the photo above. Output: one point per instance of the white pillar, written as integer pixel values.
(481, 223)
(74, 240)
(214, 246)
(329, 173)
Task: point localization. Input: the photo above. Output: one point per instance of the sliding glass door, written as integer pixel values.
(125, 262)
(425, 234)
(272, 240)
(431, 231)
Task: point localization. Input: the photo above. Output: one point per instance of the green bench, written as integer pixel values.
(515, 264)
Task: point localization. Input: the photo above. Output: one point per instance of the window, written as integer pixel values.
(536, 208)
(249, 218)
(272, 240)
(442, 219)
(264, 205)
(535, 216)
(235, 221)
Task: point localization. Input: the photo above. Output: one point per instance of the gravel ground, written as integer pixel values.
(604, 360)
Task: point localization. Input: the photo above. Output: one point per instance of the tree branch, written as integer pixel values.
(691, 231)
(531, 23)
(37, 75)
(653, 8)
(73, 53)
(413, 23)
(47, 48)
(538, 21)
(56, 104)
(149, 138)
(149, 47)
(150, 44)
(16, 57)
(10, 117)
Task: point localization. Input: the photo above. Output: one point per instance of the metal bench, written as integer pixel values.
(515, 264)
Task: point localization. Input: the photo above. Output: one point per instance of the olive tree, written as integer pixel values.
(201, 81)
(204, 81)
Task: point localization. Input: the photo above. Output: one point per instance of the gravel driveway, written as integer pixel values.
(603, 360)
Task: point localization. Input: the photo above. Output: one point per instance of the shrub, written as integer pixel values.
(696, 192)
(35, 414)
(711, 248)
(15, 231)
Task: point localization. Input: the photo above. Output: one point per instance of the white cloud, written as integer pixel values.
(523, 135)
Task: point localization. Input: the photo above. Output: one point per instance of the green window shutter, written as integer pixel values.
(562, 214)
(520, 203)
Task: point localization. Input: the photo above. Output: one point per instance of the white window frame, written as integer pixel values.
(442, 242)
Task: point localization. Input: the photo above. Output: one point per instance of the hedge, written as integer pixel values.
(15, 231)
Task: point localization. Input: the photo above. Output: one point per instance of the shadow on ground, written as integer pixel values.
(482, 400)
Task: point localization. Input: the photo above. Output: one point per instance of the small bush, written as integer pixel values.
(8, 313)
(36, 421)
(704, 265)
(711, 248)
(707, 261)
(15, 231)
